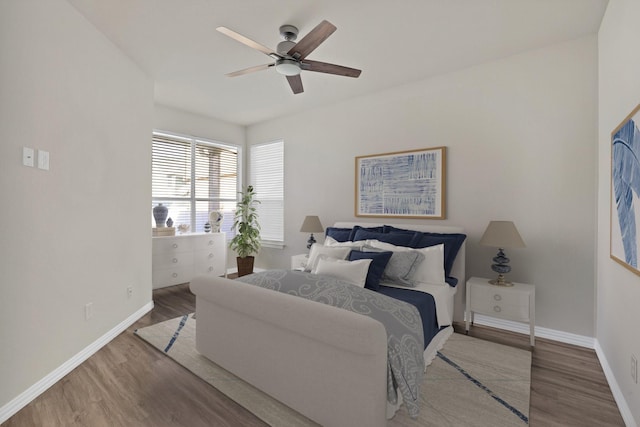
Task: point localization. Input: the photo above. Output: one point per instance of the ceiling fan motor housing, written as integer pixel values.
(289, 32)
(285, 46)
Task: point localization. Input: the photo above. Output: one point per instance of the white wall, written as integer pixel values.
(521, 135)
(183, 122)
(618, 294)
(78, 233)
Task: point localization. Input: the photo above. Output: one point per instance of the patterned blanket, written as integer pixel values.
(405, 363)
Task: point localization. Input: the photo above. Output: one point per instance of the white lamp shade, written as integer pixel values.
(311, 224)
(502, 234)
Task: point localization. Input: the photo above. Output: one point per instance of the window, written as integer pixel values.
(192, 177)
(267, 177)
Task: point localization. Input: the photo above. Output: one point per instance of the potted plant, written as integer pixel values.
(246, 242)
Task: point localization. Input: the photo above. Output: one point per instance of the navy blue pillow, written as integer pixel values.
(379, 261)
(398, 239)
(452, 243)
(452, 281)
(339, 234)
(392, 229)
(357, 227)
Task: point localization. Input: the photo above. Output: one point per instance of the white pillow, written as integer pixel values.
(386, 246)
(430, 270)
(354, 272)
(338, 252)
(330, 241)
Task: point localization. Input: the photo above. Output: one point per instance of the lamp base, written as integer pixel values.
(311, 241)
(500, 281)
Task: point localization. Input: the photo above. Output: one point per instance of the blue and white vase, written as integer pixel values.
(207, 228)
(160, 214)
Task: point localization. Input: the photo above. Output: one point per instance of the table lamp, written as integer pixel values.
(311, 225)
(501, 234)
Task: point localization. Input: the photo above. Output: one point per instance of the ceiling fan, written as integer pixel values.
(290, 57)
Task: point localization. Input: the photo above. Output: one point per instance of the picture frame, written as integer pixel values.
(402, 184)
(625, 190)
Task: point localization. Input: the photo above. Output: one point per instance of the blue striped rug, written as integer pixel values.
(470, 382)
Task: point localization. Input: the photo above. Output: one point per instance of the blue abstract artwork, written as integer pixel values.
(625, 182)
(408, 184)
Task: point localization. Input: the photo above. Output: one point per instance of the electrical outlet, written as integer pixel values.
(634, 369)
(88, 311)
(129, 291)
(27, 156)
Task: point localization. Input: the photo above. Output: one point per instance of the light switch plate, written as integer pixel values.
(27, 156)
(43, 160)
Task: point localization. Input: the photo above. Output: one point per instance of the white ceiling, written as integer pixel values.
(392, 42)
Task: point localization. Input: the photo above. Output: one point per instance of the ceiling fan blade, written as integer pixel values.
(296, 83)
(324, 67)
(312, 40)
(249, 70)
(248, 42)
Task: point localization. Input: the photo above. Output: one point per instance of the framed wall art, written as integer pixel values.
(404, 184)
(625, 191)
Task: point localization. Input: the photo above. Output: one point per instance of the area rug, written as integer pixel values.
(471, 382)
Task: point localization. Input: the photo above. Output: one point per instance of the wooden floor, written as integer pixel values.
(568, 386)
(129, 383)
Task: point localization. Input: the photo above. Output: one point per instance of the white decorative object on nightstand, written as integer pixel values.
(299, 262)
(517, 303)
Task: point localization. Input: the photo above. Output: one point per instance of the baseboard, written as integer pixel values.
(41, 386)
(618, 395)
(523, 328)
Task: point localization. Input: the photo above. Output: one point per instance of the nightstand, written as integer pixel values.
(299, 262)
(517, 302)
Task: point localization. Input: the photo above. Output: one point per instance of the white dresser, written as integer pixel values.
(178, 259)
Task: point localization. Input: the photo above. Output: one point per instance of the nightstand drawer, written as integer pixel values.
(506, 303)
(501, 309)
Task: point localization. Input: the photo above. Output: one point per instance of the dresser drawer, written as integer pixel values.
(172, 260)
(207, 257)
(161, 277)
(213, 268)
(209, 241)
(172, 245)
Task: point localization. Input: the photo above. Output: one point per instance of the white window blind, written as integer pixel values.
(267, 177)
(193, 177)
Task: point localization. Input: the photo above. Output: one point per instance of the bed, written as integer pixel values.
(332, 365)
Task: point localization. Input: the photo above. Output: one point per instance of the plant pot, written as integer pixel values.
(245, 265)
